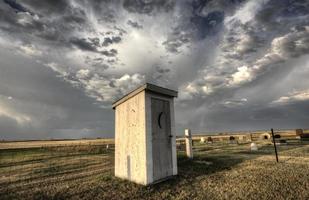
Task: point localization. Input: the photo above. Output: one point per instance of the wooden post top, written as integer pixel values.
(147, 87)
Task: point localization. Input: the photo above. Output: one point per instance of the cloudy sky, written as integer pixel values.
(237, 64)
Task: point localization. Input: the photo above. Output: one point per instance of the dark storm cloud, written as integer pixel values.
(84, 44)
(75, 15)
(16, 6)
(49, 102)
(284, 10)
(134, 24)
(109, 53)
(296, 43)
(60, 28)
(162, 70)
(176, 40)
(108, 17)
(207, 25)
(253, 108)
(148, 6)
(8, 126)
(18, 22)
(205, 19)
(92, 44)
(159, 74)
(97, 62)
(47, 7)
(95, 41)
(269, 114)
(242, 43)
(237, 64)
(39, 24)
(256, 119)
(111, 40)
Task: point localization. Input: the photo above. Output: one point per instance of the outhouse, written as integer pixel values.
(145, 140)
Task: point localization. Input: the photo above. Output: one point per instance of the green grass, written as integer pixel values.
(218, 171)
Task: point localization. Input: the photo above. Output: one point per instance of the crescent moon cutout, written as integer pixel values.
(159, 119)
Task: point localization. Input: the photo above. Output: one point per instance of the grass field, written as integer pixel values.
(218, 171)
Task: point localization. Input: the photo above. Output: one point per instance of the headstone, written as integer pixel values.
(188, 138)
(299, 132)
(265, 136)
(209, 139)
(145, 139)
(232, 140)
(251, 137)
(253, 147)
(281, 142)
(301, 135)
(202, 140)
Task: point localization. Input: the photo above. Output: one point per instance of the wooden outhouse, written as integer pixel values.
(145, 140)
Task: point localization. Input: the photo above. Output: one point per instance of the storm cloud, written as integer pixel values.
(238, 64)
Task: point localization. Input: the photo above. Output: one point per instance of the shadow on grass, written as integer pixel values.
(203, 164)
(188, 171)
(107, 186)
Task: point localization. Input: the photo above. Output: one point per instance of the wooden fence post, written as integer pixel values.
(274, 141)
(188, 138)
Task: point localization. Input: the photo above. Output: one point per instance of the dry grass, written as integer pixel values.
(218, 171)
(52, 143)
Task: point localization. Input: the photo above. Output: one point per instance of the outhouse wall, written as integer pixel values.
(130, 139)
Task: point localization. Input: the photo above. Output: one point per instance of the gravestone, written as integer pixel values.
(265, 136)
(145, 140)
(202, 140)
(299, 132)
(253, 147)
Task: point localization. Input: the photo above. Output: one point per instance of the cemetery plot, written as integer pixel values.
(219, 170)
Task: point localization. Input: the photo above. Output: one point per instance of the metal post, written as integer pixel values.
(272, 133)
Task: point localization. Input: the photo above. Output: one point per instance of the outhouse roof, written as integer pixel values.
(148, 87)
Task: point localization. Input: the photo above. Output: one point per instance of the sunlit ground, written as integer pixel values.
(218, 171)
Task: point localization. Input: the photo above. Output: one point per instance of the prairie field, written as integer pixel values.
(221, 170)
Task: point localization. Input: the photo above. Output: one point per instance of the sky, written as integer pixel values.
(237, 64)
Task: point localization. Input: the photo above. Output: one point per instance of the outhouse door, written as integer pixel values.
(161, 139)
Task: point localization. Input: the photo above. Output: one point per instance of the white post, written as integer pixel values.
(188, 138)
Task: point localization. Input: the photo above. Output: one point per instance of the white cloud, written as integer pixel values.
(283, 48)
(107, 89)
(295, 96)
(57, 68)
(293, 44)
(242, 75)
(193, 89)
(247, 12)
(25, 18)
(83, 73)
(234, 103)
(30, 50)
